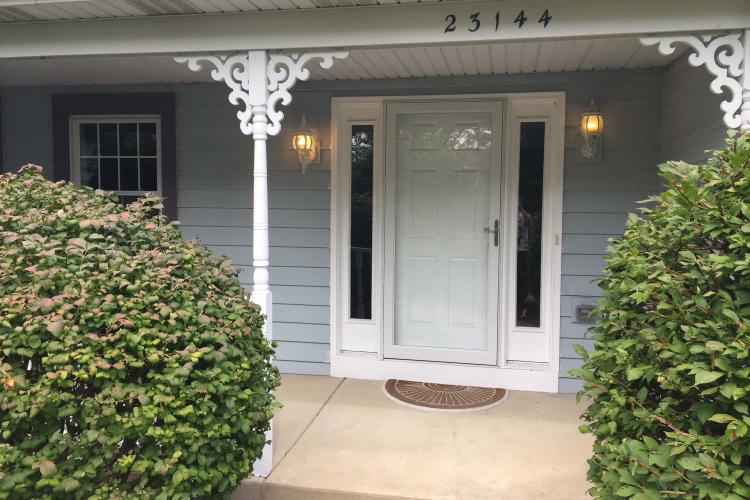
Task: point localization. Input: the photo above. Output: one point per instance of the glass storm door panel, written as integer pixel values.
(444, 200)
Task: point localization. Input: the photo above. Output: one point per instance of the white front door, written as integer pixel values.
(442, 212)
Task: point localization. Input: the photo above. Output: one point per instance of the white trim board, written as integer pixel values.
(367, 27)
(371, 367)
(359, 352)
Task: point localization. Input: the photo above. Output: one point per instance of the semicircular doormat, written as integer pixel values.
(443, 397)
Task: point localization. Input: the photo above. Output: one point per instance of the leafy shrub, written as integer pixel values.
(669, 376)
(131, 362)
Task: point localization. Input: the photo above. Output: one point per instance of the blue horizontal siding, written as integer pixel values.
(214, 181)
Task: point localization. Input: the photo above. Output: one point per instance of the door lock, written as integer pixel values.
(495, 232)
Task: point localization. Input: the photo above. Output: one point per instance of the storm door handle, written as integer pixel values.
(495, 232)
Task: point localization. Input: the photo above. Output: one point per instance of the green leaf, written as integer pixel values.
(185, 410)
(160, 467)
(650, 442)
(642, 394)
(581, 351)
(177, 477)
(70, 484)
(714, 345)
(722, 418)
(690, 463)
(626, 491)
(59, 359)
(706, 377)
(731, 315)
(634, 373)
(706, 460)
(140, 466)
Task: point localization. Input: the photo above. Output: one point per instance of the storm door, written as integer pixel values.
(442, 216)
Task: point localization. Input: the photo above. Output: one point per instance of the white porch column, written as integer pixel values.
(745, 109)
(258, 82)
(258, 98)
(727, 58)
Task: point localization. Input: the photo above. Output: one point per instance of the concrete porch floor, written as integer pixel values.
(342, 438)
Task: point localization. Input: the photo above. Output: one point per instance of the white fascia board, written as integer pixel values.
(21, 3)
(368, 27)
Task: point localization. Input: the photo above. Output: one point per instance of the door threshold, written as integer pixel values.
(525, 377)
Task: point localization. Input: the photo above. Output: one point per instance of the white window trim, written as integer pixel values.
(540, 342)
(361, 356)
(365, 332)
(74, 123)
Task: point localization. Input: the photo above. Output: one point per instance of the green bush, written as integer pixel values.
(131, 362)
(669, 376)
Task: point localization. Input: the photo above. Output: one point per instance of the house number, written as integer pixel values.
(474, 23)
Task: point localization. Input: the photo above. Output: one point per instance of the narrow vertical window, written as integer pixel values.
(360, 282)
(529, 232)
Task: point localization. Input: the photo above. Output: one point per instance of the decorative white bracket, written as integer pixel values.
(256, 79)
(727, 58)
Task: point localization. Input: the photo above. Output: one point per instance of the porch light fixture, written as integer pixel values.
(306, 145)
(592, 125)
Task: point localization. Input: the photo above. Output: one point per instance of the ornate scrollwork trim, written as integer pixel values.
(234, 71)
(281, 71)
(723, 56)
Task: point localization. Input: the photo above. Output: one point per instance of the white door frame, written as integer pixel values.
(358, 352)
(390, 348)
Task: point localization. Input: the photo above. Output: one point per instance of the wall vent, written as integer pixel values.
(584, 313)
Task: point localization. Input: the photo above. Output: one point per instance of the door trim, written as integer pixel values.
(357, 352)
(390, 349)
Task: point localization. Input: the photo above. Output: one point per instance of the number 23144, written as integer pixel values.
(474, 23)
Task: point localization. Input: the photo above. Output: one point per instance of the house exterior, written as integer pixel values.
(454, 207)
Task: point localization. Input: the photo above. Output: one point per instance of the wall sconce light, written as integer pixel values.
(592, 125)
(306, 145)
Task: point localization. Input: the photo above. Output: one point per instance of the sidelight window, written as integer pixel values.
(360, 286)
(529, 224)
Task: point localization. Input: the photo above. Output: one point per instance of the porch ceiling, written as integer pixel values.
(56, 10)
(447, 60)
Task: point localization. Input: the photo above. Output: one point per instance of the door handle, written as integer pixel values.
(495, 232)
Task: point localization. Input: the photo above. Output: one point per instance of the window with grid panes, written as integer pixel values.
(118, 154)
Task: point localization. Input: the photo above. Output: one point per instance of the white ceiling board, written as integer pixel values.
(381, 64)
(408, 61)
(390, 57)
(437, 60)
(529, 54)
(404, 62)
(577, 54)
(499, 56)
(560, 55)
(514, 52)
(544, 56)
(419, 55)
(482, 58)
(467, 59)
(87, 9)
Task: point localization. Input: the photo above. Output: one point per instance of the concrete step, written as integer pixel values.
(259, 489)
